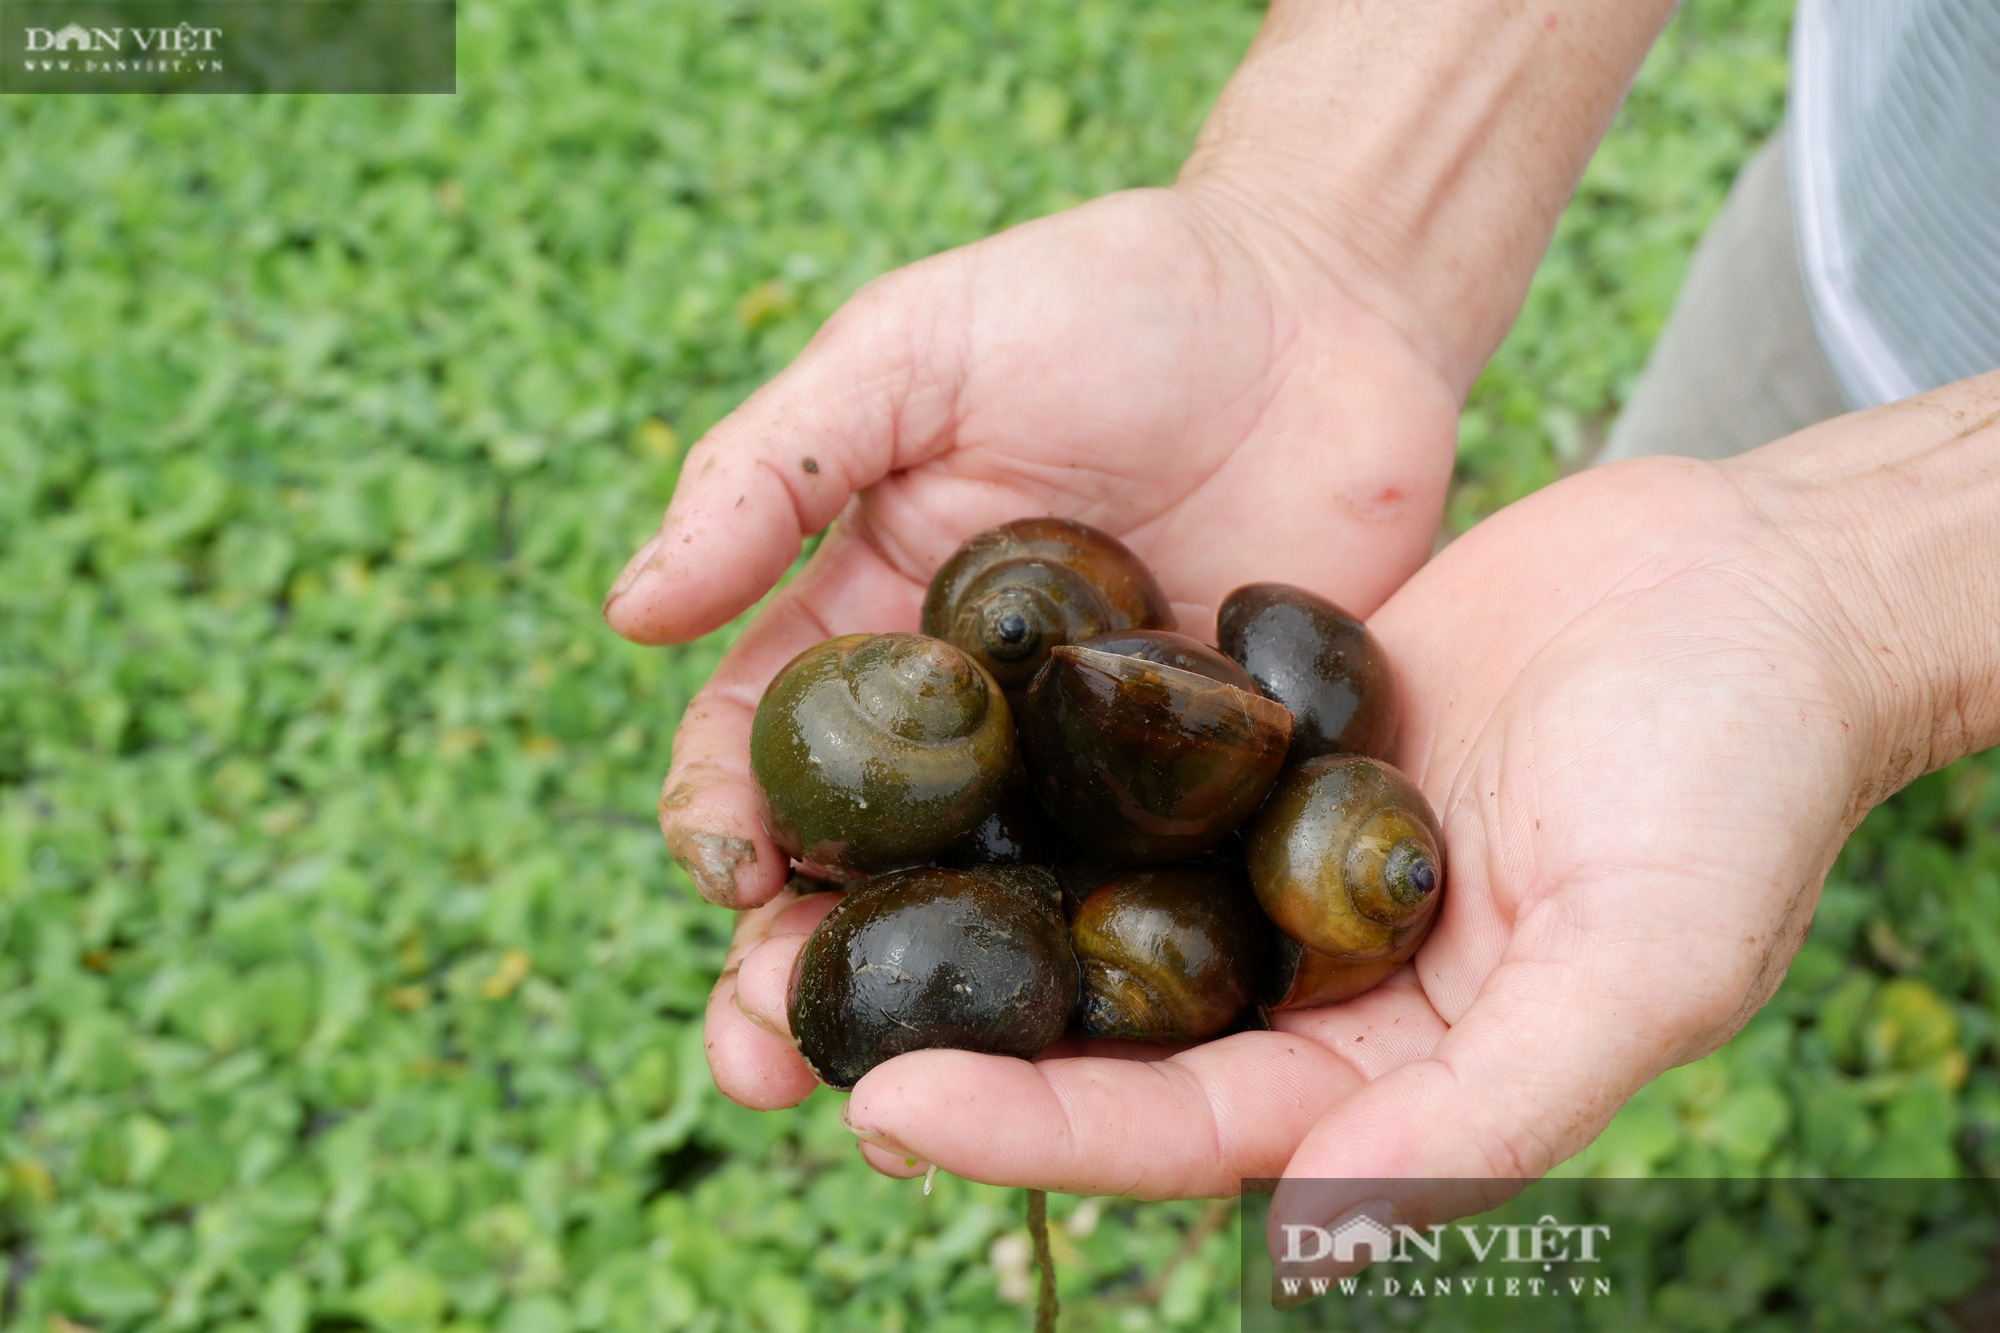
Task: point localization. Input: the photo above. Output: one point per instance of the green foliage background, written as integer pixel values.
(343, 981)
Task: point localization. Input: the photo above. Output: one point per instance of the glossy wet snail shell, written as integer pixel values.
(1010, 594)
(1168, 648)
(1303, 979)
(1169, 955)
(876, 751)
(1347, 859)
(974, 960)
(1316, 660)
(1142, 762)
(1018, 832)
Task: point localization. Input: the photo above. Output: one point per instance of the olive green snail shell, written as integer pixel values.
(877, 751)
(1347, 859)
(1169, 955)
(928, 958)
(1013, 592)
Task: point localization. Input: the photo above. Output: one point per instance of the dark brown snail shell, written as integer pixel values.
(1316, 660)
(1013, 592)
(1303, 979)
(972, 960)
(875, 751)
(1018, 832)
(1169, 955)
(1347, 858)
(1146, 763)
(1175, 650)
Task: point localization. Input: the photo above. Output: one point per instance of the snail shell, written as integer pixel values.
(1013, 592)
(1169, 955)
(1175, 650)
(1316, 660)
(1347, 858)
(875, 751)
(1142, 762)
(973, 960)
(1018, 832)
(1303, 979)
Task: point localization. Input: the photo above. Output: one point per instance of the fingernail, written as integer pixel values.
(710, 860)
(861, 1132)
(878, 1140)
(760, 1021)
(633, 569)
(1382, 1210)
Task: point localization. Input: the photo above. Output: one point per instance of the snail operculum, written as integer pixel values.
(1167, 648)
(877, 751)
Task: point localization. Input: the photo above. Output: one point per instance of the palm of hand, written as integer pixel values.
(1612, 714)
(1149, 363)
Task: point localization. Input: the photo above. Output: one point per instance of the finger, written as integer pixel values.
(1301, 1206)
(1196, 1124)
(751, 1066)
(1375, 1031)
(711, 811)
(763, 982)
(891, 1162)
(872, 393)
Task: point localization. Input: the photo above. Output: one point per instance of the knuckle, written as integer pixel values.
(1517, 1152)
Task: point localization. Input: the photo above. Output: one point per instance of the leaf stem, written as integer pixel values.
(1045, 1264)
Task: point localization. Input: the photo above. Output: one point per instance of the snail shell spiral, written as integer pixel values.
(1013, 592)
(876, 751)
(1347, 858)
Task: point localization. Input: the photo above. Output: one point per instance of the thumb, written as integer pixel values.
(872, 393)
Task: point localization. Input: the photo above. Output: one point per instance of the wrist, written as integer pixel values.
(1420, 153)
(1890, 524)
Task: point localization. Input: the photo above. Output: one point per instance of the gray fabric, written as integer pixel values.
(1737, 364)
(1895, 176)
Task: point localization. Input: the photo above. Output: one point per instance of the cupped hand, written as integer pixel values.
(1161, 364)
(1634, 708)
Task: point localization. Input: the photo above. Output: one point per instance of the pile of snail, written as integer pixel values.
(1053, 813)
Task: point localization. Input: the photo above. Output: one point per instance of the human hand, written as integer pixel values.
(1253, 375)
(1649, 704)
(1158, 364)
(1153, 364)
